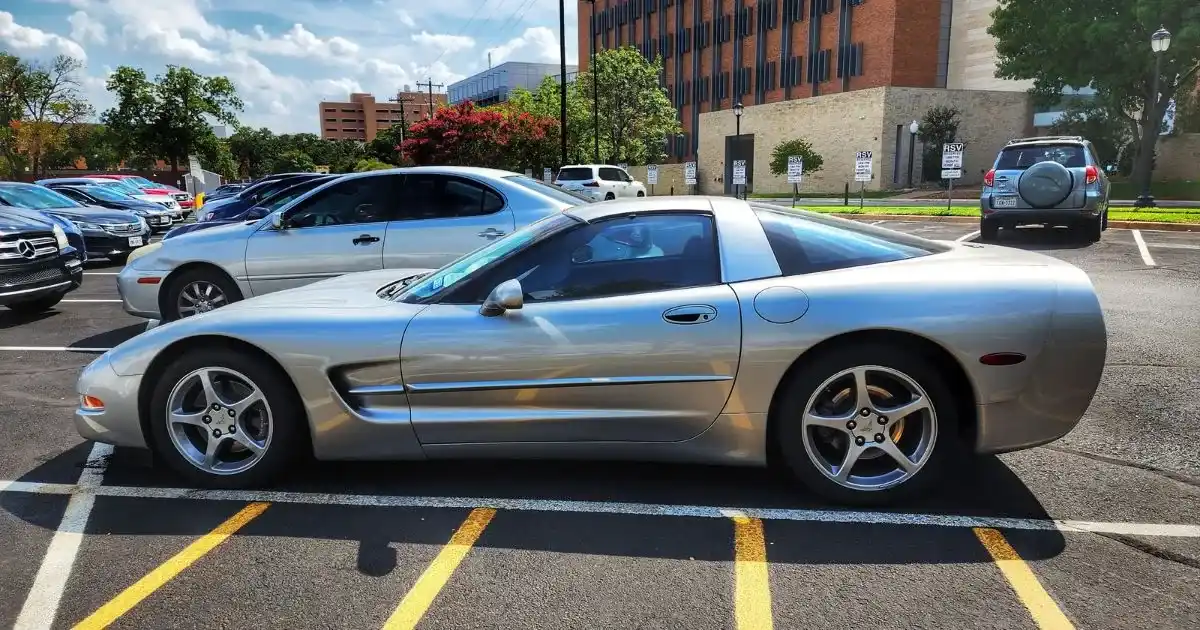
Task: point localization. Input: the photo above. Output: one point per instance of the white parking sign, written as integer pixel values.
(862, 166)
(795, 172)
(546, 175)
(651, 174)
(952, 155)
(739, 172)
(689, 173)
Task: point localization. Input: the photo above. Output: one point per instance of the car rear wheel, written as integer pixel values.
(609, 197)
(33, 307)
(1092, 229)
(199, 291)
(867, 424)
(225, 420)
(641, 194)
(989, 230)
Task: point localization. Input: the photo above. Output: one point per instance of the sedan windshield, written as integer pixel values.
(142, 182)
(120, 186)
(35, 197)
(104, 193)
(451, 274)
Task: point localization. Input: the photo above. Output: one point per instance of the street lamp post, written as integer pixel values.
(595, 89)
(913, 128)
(1160, 41)
(737, 141)
(562, 84)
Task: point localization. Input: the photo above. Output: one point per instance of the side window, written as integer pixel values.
(624, 176)
(618, 256)
(808, 245)
(73, 194)
(355, 200)
(429, 196)
(610, 174)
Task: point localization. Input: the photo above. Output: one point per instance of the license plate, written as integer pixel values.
(135, 241)
(1004, 202)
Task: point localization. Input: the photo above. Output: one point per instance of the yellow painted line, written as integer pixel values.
(752, 589)
(431, 582)
(1046, 613)
(142, 589)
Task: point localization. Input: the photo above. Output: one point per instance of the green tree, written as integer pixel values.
(371, 164)
(49, 104)
(1057, 44)
(254, 150)
(294, 162)
(635, 114)
(1096, 122)
(938, 126)
(215, 156)
(12, 86)
(384, 146)
(546, 102)
(169, 117)
(799, 146)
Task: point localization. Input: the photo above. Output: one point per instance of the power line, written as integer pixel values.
(516, 17)
(463, 29)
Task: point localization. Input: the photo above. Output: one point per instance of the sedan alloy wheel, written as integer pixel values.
(219, 420)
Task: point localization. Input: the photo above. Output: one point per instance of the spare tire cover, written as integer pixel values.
(1045, 184)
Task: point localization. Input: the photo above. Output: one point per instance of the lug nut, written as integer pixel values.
(882, 419)
(232, 429)
(860, 440)
(207, 419)
(231, 414)
(851, 425)
(215, 406)
(864, 412)
(216, 433)
(879, 438)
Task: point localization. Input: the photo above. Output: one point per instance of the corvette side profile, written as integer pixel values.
(859, 360)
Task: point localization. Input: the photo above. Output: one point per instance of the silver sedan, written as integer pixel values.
(698, 329)
(412, 217)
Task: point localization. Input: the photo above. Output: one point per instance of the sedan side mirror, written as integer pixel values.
(507, 296)
(277, 221)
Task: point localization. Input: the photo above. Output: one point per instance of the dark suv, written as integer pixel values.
(38, 265)
(1049, 180)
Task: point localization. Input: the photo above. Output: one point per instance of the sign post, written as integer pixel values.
(952, 163)
(862, 173)
(795, 175)
(529, 173)
(547, 175)
(197, 175)
(689, 175)
(739, 177)
(651, 177)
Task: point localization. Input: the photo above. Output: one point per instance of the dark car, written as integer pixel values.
(157, 217)
(111, 234)
(252, 196)
(269, 204)
(38, 264)
(225, 190)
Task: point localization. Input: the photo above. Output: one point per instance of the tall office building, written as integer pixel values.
(720, 52)
(362, 117)
(491, 86)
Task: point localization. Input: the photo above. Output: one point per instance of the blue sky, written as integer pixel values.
(287, 55)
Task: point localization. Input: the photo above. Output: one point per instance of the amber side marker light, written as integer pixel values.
(149, 280)
(91, 403)
(1002, 358)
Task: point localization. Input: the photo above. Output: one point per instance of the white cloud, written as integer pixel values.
(537, 42)
(443, 42)
(405, 18)
(298, 42)
(168, 42)
(86, 29)
(32, 40)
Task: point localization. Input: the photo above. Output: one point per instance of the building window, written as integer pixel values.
(793, 11)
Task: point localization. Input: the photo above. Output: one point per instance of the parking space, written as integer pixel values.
(1098, 530)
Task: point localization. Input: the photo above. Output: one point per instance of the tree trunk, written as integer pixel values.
(174, 167)
(1143, 166)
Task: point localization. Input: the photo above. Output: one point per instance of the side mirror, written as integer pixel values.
(507, 296)
(277, 220)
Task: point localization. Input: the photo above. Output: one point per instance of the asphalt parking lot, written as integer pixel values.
(1098, 530)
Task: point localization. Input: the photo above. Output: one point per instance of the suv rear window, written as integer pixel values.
(1022, 157)
(575, 174)
(807, 242)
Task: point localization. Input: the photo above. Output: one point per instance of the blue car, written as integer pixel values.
(271, 203)
(157, 217)
(251, 196)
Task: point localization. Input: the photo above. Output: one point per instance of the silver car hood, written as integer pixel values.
(353, 290)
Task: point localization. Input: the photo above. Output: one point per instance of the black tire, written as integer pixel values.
(989, 230)
(1091, 229)
(803, 383)
(609, 196)
(1104, 221)
(289, 430)
(641, 194)
(170, 304)
(40, 305)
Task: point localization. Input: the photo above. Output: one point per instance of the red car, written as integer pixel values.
(184, 199)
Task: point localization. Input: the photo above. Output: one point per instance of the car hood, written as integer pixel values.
(94, 214)
(353, 290)
(13, 220)
(154, 198)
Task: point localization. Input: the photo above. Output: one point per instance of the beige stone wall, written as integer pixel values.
(839, 125)
(972, 61)
(1178, 157)
(669, 176)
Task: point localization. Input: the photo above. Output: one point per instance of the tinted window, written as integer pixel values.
(355, 200)
(808, 242)
(546, 190)
(73, 194)
(610, 174)
(107, 194)
(430, 196)
(35, 197)
(577, 174)
(617, 256)
(1021, 158)
(281, 197)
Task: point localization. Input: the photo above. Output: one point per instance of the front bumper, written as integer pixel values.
(108, 244)
(118, 422)
(139, 292)
(159, 222)
(32, 281)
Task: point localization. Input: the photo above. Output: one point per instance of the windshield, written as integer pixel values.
(104, 193)
(575, 174)
(451, 274)
(544, 189)
(35, 197)
(116, 184)
(142, 182)
(1022, 157)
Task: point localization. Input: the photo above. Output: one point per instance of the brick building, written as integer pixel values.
(362, 117)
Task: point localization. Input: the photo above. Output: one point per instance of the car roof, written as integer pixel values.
(677, 203)
(1036, 140)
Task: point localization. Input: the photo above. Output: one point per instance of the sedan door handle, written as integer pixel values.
(691, 314)
(491, 233)
(365, 239)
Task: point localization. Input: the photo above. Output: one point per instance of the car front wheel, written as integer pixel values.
(225, 419)
(867, 424)
(198, 291)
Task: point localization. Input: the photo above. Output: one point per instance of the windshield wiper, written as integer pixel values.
(391, 290)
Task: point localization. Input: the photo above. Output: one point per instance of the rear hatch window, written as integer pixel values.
(575, 174)
(1019, 158)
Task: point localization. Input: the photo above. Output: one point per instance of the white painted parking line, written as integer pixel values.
(41, 605)
(101, 273)
(1141, 244)
(50, 349)
(877, 222)
(609, 507)
(967, 237)
(93, 301)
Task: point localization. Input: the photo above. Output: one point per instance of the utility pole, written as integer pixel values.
(430, 84)
(403, 101)
(562, 84)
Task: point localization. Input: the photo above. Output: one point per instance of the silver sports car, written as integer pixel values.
(425, 216)
(859, 359)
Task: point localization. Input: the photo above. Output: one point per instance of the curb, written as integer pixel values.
(1124, 225)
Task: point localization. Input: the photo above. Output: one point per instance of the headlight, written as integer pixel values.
(142, 223)
(60, 238)
(87, 226)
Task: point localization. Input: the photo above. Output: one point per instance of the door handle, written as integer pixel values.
(690, 314)
(365, 239)
(491, 233)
